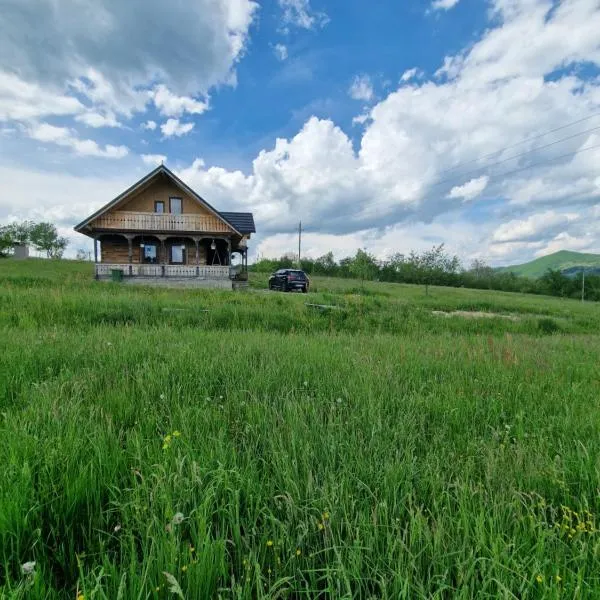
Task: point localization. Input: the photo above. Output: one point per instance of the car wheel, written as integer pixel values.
(305, 289)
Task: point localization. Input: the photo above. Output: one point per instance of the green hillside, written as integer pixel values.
(564, 260)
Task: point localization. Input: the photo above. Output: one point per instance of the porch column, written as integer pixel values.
(197, 242)
(95, 258)
(229, 253)
(163, 251)
(130, 253)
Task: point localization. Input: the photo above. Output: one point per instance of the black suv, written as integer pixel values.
(287, 280)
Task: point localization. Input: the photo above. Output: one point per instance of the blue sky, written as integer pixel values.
(380, 126)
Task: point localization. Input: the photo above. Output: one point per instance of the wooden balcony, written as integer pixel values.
(144, 221)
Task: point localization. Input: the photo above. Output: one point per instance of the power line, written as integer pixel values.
(504, 160)
(526, 140)
(531, 166)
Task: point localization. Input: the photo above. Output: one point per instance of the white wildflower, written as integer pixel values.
(162, 396)
(117, 528)
(177, 518)
(28, 568)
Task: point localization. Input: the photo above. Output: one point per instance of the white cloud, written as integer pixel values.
(95, 119)
(534, 228)
(173, 127)
(20, 100)
(281, 51)
(444, 4)
(149, 125)
(154, 159)
(410, 74)
(470, 190)
(300, 14)
(361, 88)
(62, 136)
(171, 105)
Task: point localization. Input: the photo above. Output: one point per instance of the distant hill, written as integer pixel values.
(570, 263)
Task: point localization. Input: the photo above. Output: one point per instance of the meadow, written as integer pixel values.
(161, 443)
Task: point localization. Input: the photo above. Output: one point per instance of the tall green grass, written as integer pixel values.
(371, 451)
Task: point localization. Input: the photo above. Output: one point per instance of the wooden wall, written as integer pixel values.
(162, 190)
(115, 250)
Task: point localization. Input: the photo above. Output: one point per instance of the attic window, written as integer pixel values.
(159, 206)
(175, 206)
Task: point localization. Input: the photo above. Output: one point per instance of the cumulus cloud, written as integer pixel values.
(62, 136)
(20, 100)
(173, 127)
(171, 105)
(149, 125)
(411, 74)
(535, 228)
(73, 36)
(361, 88)
(281, 51)
(470, 190)
(300, 14)
(444, 4)
(154, 160)
(96, 119)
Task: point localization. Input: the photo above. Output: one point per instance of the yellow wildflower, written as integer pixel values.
(321, 526)
(80, 596)
(184, 568)
(539, 578)
(168, 439)
(558, 578)
(269, 543)
(176, 433)
(298, 552)
(325, 516)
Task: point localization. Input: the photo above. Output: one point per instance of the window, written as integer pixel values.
(177, 255)
(175, 206)
(149, 253)
(159, 207)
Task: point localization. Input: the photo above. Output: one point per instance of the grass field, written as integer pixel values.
(202, 444)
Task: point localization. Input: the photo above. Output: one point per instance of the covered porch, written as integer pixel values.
(177, 256)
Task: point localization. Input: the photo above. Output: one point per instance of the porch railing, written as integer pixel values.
(183, 271)
(145, 221)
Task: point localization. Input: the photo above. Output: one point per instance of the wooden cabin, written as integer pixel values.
(161, 228)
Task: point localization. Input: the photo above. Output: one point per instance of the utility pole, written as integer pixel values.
(582, 285)
(299, 244)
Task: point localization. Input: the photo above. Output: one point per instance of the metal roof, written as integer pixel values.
(243, 222)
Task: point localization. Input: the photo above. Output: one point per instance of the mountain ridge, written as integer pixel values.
(566, 261)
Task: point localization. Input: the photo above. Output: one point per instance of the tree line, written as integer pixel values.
(437, 267)
(42, 236)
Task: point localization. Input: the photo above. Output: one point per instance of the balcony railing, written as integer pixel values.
(144, 221)
(178, 271)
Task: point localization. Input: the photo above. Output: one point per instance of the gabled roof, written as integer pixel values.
(242, 221)
(161, 169)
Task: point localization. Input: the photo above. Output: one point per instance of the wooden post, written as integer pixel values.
(95, 258)
(197, 242)
(130, 253)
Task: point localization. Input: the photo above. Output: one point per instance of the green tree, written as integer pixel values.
(45, 238)
(6, 241)
(20, 233)
(363, 266)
